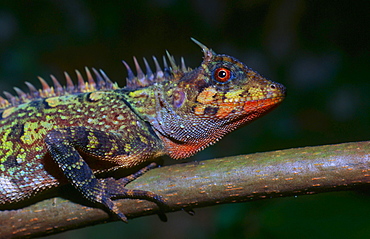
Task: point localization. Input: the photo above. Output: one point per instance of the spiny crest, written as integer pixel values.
(149, 78)
(143, 80)
(208, 53)
(101, 82)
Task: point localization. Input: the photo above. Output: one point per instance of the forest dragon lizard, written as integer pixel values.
(69, 134)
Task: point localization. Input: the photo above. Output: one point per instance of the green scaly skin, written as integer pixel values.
(59, 135)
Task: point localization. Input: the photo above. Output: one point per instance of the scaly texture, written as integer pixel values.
(69, 134)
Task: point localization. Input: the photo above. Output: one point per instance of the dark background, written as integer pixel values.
(318, 49)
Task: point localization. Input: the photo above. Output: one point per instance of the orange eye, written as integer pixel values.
(222, 75)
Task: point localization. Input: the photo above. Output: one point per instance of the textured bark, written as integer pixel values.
(198, 184)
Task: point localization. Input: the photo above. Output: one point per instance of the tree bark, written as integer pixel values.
(198, 184)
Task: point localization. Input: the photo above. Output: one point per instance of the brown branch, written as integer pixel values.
(234, 179)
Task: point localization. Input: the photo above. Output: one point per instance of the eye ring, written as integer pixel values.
(222, 74)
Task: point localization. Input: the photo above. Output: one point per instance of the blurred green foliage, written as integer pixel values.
(318, 49)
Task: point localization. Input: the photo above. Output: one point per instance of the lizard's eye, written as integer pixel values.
(222, 75)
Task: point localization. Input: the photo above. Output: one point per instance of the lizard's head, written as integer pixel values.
(212, 100)
(191, 109)
(225, 88)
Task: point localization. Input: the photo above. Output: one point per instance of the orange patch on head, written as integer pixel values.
(225, 109)
(199, 110)
(261, 105)
(206, 96)
(250, 106)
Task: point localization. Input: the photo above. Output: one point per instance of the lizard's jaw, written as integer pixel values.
(239, 102)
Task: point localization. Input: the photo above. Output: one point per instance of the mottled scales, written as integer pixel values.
(70, 133)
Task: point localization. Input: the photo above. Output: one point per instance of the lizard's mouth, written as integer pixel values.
(271, 91)
(246, 99)
(245, 107)
(241, 106)
(256, 99)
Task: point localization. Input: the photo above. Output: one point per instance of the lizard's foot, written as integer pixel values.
(112, 188)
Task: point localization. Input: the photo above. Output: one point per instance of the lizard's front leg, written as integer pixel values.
(63, 145)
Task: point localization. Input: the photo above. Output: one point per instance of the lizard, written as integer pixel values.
(71, 134)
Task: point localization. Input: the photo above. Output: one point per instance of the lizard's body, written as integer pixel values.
(67, 134)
